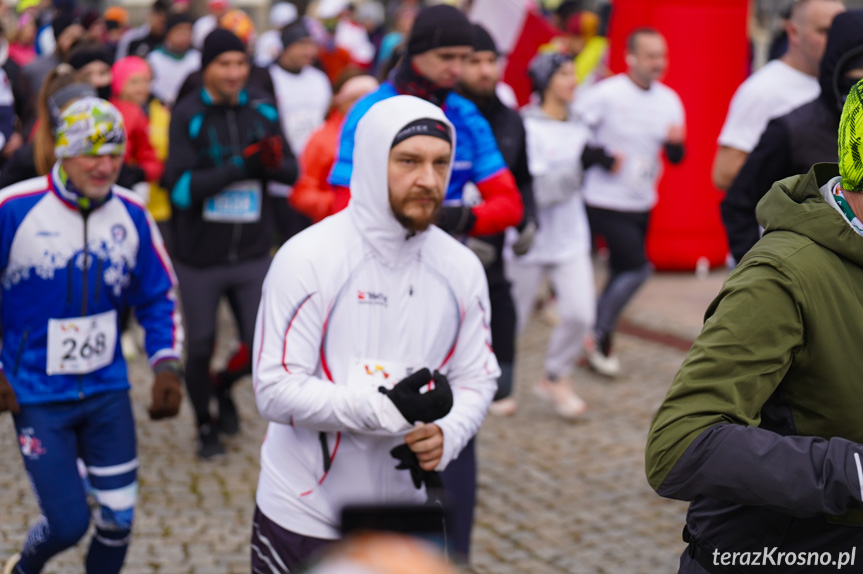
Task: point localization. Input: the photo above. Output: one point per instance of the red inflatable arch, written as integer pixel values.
(708, 59)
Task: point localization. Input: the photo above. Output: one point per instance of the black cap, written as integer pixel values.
(438, 27)
(160, 6)
(176, 20)
(423, 127)
(294, 33)
(62, 21)
(89, 17)
(482, 40)
(88, 53)
(217, 43)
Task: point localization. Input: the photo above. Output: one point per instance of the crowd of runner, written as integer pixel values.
(154, 170)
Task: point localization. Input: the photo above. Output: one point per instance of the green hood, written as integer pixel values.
(795, 204)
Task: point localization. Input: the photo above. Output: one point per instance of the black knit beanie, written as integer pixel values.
(176, 20)
(438, 27)
(217, 43)
(294, 33)
(89, 53)
(482, 40)
(62, 21)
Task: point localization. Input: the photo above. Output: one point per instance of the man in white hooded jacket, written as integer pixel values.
(356, 313)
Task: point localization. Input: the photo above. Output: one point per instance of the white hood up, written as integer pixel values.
(370, 205)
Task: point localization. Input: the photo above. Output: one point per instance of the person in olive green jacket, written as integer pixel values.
(762, 429)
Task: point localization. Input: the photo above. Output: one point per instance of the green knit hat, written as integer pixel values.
(851, 140)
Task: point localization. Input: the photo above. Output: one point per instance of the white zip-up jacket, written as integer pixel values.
(350, 304)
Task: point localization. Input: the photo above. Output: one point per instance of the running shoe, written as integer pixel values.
(604, 364)
(209, 445)
(567, 404)
(505, 407)
(229, 418)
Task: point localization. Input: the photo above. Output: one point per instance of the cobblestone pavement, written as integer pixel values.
(554, 497)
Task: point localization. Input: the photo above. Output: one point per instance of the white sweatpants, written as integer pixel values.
(572, 281)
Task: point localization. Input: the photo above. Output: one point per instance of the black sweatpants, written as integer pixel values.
(200, 291)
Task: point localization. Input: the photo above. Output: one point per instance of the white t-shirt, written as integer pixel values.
(564, 232)
(634, 122)
(169, 73)
(772, 91)
(303, 101)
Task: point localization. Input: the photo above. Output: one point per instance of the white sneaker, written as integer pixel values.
(9, 567)
(567, 404)
(608, 366)
(505, 407)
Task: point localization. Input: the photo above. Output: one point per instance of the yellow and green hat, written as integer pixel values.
(26, 4)
(90, 126)
(851, 140)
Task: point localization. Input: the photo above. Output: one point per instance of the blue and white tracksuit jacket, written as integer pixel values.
(57, 263)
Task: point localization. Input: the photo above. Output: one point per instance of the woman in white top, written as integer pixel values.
(558, 154)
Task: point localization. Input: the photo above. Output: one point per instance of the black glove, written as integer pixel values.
(263, 155)
(8, 400)
(415, 406)
(434, 484)
(253, 161)
(167, 395)
(130, 175)
(272, 151)
(456, 219)
(408, 461)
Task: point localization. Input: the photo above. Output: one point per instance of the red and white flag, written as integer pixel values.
(519, 29)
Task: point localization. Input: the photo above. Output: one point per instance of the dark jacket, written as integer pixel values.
(508, 129)
(206, 156)
(21, 166)
(25, 107)
(761, 427)
(793, 143)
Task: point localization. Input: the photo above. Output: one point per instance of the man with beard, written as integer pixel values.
(371, 322)
(440, 41)
(478, 82)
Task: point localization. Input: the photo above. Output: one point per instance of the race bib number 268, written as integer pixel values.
(81, 345)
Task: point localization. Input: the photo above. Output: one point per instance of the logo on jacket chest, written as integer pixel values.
(118, 232)
(371, 298)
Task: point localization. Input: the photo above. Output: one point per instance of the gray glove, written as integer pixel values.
(525, 238)
(485, 251)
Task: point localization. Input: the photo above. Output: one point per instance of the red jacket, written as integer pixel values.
(313, 196)
(139, 150)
